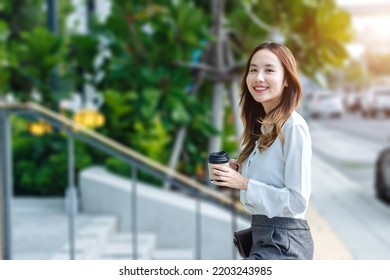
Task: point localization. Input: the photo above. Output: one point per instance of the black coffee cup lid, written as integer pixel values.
(218, 157)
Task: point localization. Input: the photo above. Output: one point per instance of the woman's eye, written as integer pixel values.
(252, 70)
(269, 70)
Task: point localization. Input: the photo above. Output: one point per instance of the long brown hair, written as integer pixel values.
(253, 114)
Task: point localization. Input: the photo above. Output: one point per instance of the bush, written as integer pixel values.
(40, 163)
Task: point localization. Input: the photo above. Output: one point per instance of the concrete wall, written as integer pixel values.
(170, 214)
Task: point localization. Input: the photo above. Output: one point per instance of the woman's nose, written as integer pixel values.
(260, 76)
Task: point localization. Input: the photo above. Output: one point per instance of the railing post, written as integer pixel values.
(134, 211)
(5, 185)
(198, 226)
(71, 197)
(234, 220)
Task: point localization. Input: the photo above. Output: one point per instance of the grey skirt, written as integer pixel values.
(280, 238)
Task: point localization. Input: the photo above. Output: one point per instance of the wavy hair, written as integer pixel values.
(253, 114)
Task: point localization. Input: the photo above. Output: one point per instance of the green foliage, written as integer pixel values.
(195, 152)
(84, 50)
(6, 59)
(118, 166)
(39, 52)
(321, 34)
(133, 125)
(80, 67)
(22, 15)
(152, 139)
(35, 53)
(40, 163)
(314, 30)
(147, 40)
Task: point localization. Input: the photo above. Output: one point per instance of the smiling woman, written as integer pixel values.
(274, 166)
(266, 79)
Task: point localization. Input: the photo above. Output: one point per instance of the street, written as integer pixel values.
(373, 132)
(344, 155)
(376, 130)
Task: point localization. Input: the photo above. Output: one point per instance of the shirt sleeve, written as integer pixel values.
(294, 197)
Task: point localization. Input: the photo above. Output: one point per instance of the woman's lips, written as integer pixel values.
(260, 88)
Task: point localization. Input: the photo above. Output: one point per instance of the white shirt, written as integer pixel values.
(280, 177)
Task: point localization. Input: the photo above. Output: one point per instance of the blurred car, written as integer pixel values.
(326, 104)
(376, 101)
(352, 101)
(382, 175)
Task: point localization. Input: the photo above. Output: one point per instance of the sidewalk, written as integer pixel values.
(327, 245)
(343, 147)
(350, 207)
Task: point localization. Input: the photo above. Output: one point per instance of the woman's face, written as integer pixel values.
(265, 79)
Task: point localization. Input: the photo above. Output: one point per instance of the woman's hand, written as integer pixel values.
(233, 163)
(229, 177)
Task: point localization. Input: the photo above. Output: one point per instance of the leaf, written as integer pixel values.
(180, 115)
(150, 99)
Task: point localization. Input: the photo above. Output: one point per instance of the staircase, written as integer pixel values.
(99, 239)
(177, 220)
(40, 231)
(166, 231)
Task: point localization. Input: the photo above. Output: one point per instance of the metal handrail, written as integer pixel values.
(127, 152)
(119, 150)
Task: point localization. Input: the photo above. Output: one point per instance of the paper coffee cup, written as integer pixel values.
(217, 158)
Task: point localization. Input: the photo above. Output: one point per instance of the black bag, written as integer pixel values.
(242, 239)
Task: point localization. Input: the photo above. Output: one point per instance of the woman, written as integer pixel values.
(273, 170)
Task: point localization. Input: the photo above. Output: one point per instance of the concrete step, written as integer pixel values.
(90, 239)
(40, 228)
(120, 246)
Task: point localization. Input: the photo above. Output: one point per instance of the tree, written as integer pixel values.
(316, 31)
(148, 42)
(378, 64)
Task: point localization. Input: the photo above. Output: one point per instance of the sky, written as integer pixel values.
(373, 29)
(362, 2)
